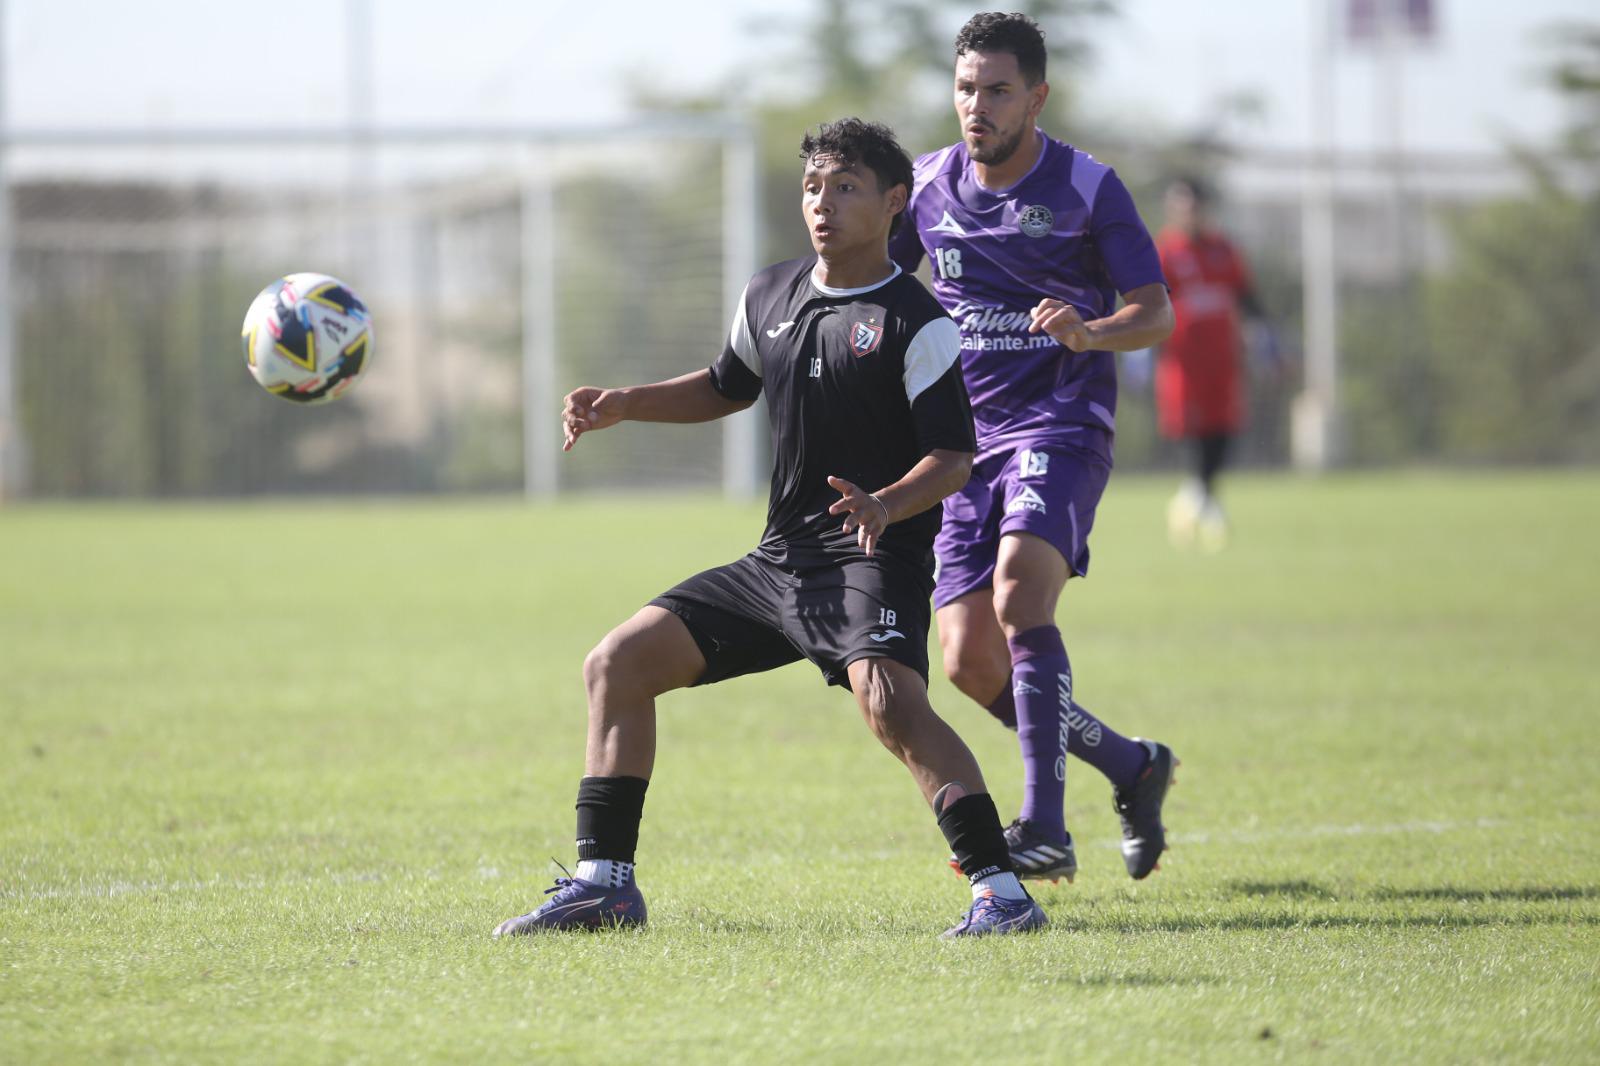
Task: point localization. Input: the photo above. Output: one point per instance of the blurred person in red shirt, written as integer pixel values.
(1199, 373)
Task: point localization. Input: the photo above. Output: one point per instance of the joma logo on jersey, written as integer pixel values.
(865, 338)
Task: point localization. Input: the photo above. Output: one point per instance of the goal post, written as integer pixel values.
(503, 265)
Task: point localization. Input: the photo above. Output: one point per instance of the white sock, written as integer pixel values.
(607, 872)
(1005, 885)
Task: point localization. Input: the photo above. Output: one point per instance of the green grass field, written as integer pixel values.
(270, 773)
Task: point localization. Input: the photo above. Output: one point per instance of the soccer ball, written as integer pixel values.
(307, 338)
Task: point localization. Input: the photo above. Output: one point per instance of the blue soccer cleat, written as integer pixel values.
(579, 904)
(991, 915)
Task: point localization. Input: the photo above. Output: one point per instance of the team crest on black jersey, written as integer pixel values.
(1035, 221)
(865, 338)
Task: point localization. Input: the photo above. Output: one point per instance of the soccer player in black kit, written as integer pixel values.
(871, 429)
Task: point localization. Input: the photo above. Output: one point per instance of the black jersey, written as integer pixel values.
(860, 384)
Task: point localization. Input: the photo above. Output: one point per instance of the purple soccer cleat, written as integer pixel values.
(991, 915)
(580, 904)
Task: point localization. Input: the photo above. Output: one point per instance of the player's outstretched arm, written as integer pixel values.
(689, 398)
(868, 514)
(1144, 319)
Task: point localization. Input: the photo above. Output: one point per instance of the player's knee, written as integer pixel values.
(892, 713)
(875, 696)
(1019, 606)
(977, 672)
(599, 665)
(615, 662)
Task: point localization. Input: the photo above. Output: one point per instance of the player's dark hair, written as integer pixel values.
(870, 144)
(1016, 33)
(1202, 192)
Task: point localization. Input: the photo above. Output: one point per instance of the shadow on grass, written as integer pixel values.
(1365, 911)
(1233, 922)
(1137, 980)
(1286, 889)
(888, 927)
(1533, 894)
(1301, 889)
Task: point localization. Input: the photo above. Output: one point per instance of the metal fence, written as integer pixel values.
(505, 267)
(1464, 300)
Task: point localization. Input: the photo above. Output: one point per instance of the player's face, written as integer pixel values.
(995, 105)
(1183, 210)
(844, 208)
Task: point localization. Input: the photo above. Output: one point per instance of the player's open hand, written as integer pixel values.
(589, 408)
(865, 514)
(1061, 321)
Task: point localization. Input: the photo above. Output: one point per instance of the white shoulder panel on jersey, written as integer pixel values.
(926, 166)
(1087, 174)
(931, 352)
(741, 340)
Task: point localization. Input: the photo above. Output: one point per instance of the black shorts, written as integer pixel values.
(753, 615)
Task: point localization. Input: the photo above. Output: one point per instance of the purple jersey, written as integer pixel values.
(1069, 230)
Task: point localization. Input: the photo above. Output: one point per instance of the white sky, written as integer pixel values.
(1160, 67)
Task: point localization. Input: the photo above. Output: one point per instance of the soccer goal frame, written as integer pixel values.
(743, 470)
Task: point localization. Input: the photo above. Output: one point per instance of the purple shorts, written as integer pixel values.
(1050, 489)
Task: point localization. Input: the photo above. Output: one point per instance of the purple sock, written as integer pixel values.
(1004, 707)
(1041, 685)
(1096, 743)
(1103, 748)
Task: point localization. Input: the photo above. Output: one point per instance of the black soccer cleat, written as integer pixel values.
(1034, 856)
(1144, 838)
(1037, 857)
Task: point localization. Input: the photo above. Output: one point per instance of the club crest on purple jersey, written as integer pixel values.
(865, 338)
(1035, 221)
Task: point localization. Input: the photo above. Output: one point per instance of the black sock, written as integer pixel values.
(1212, 454)
(972, 826)
(609, 810)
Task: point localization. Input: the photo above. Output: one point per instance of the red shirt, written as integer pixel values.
(1197, 374)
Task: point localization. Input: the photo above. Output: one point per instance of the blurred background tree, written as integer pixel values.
(1515, 317)
(889, 61)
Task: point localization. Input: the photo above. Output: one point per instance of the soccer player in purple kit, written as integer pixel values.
(1030, 242)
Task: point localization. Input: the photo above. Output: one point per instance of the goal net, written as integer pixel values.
(502, 270)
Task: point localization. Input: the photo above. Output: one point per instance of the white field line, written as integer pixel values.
(113, 889)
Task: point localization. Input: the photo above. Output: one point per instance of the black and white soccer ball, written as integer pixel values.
(307, 338)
